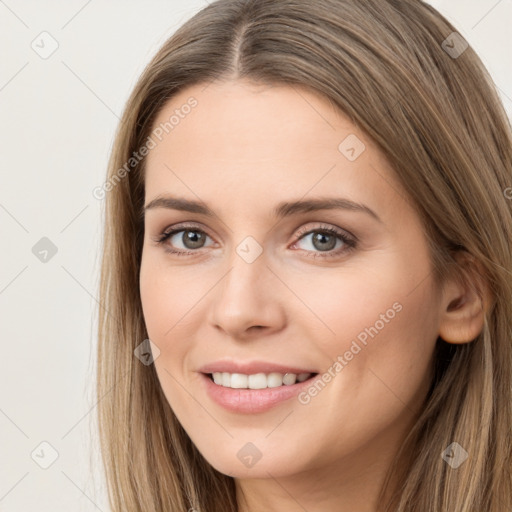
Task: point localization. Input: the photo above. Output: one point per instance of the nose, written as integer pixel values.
(249, 300)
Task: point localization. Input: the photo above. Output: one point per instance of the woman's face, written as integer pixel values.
(266, 278)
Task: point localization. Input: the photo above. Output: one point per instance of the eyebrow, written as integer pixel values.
(284, 209)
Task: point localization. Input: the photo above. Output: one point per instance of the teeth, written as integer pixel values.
(258, 380)
(303, 376)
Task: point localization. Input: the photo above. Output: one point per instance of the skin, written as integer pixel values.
(242, 150)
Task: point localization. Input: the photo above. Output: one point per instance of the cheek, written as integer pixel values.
(362, 304)
(379, 362)
(173, 303)
(168, 295)
(162, 308)
(168, 299)
(382, 328)
(386, 342)
(155, 295)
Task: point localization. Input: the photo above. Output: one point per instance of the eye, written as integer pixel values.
(183, 240)
(325, 239)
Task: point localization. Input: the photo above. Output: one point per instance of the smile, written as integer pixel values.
(269, 390)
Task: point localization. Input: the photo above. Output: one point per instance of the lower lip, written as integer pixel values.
(251, 401)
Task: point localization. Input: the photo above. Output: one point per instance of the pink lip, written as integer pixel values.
(251, 401)
(252, 368)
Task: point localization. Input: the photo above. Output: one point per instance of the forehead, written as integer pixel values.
(237, 119)
(252, 144)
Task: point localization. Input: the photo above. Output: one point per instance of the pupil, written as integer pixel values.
(320, 238)
(192, 239)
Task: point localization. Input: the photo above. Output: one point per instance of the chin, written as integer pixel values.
(238, 463)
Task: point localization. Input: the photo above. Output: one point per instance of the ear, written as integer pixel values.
(465, 300)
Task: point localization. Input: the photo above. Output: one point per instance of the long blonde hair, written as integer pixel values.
(438, 119)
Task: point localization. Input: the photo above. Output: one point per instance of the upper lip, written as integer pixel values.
(251, 367)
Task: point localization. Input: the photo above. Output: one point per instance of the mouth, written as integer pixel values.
(258, 380)
(254, 393)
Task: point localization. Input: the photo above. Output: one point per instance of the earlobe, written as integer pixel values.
(465, 302)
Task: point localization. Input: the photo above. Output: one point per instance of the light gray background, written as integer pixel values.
(58, 116)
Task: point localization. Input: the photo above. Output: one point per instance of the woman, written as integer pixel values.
(307, 215)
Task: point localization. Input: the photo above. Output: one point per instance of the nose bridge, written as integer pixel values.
(245, 297)
(247, 262)
(243, 283)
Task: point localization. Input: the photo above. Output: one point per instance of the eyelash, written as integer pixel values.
(349, 242)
